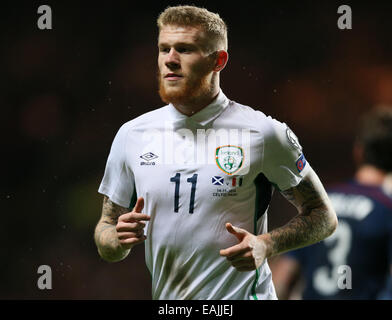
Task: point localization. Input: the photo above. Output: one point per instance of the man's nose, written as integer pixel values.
(172, 59)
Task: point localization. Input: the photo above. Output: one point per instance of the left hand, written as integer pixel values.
(248, 254)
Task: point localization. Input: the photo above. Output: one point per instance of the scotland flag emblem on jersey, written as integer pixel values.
(229, 158)
(218, 181)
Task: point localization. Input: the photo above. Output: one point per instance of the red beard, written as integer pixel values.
(186, 92)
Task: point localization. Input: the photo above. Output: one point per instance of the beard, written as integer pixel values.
(186, 91)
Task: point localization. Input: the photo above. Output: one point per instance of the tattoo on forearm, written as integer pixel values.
(111, 211)
(105, 235)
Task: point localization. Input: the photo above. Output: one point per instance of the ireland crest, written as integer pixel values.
(229, 158)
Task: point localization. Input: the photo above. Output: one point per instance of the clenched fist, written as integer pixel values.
(130, 226)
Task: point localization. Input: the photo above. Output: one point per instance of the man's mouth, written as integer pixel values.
(173, 76)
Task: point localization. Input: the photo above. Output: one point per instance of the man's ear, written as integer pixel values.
(221, 60)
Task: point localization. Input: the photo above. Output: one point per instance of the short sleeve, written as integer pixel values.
(118, 180)
(284, 163)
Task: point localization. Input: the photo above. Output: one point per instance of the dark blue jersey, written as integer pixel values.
(358, 255)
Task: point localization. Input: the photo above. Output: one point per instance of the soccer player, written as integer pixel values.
(356, 261)
(202, 170)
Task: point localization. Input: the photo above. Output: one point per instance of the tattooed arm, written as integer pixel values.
(119, 230)
(315, 221)
(105, 235)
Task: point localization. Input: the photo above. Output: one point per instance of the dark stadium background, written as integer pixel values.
(65, 92)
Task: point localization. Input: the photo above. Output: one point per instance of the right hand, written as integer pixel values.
(130, 226)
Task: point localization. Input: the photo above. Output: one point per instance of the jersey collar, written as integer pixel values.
(205, 115)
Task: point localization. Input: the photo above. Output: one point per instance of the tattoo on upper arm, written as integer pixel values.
(306, 196)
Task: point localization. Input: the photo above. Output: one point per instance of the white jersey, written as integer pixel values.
(195, 174)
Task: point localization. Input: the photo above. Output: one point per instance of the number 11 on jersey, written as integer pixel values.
(193, 181)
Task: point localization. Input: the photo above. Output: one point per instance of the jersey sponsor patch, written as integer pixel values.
(301, 162)
(229, 158)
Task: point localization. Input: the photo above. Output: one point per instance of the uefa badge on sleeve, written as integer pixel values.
(293, 139)
(301, 162)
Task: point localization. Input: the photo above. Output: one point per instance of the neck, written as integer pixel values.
(370, 175)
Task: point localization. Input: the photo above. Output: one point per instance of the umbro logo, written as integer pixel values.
(149, 156)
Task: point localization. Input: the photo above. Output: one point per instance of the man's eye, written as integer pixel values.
(183, 50)
(165, 50)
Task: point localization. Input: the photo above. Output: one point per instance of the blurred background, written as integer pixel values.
(65, 92)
